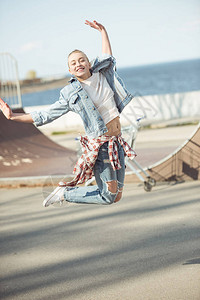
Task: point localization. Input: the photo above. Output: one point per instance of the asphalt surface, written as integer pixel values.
(146, 247)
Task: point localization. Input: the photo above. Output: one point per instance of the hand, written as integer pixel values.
(95, 25)
(5, 108)
(106, 47)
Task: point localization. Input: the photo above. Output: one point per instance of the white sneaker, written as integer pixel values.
(57, 196)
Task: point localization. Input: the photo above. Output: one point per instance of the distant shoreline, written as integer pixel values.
(35, 87)
(39, 87)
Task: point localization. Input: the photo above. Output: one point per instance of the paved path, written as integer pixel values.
(146, 247)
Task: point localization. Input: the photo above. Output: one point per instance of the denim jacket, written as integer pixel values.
(74, 98)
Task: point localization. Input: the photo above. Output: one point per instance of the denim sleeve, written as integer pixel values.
(54, 111)
(105, 61)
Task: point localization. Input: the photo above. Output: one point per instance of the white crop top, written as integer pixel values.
(101, 94)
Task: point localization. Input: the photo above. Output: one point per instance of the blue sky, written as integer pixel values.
(40, 33)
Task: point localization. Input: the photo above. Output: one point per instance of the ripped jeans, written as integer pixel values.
(103, 192)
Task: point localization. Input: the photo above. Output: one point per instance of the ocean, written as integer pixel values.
(155, 79)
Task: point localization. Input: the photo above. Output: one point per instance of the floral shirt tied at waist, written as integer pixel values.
(84, 166)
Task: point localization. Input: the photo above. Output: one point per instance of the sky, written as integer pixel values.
(41, 33)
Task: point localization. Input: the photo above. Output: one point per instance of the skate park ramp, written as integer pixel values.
(182, 165)
(25, 151)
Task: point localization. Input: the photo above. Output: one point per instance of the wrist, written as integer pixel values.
(103, 30)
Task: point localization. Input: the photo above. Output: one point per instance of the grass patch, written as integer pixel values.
(66, 132)
(59, 132)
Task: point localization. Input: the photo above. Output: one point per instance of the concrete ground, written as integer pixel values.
(146, 247)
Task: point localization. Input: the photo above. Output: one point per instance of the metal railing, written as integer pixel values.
(9, 80)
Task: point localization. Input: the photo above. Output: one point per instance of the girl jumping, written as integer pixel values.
(98, 95)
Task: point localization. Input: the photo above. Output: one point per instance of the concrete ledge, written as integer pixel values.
(158, 109)
(32, 181)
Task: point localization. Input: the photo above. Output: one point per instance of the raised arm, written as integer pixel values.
(106, 47)
(10, 115)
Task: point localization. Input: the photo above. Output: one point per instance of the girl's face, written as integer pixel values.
(79, 66)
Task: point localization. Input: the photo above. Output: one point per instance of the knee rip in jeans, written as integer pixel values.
(112, 186)
(113, 189)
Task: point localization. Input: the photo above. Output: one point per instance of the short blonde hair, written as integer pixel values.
(77, 51)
